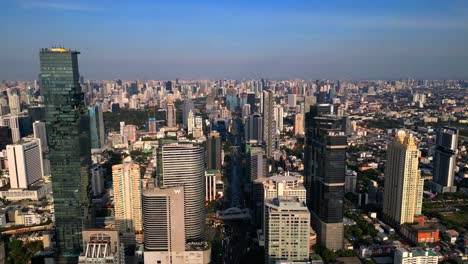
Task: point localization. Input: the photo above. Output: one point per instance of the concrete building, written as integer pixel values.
(152, 125)
(292, 100)
(214, 185)
(39, 130)
(403, 183)
(130, 131)
(97, 180)
(298, 125)
(445, 160)
(278, 114)
(184, 164)
(213, 151)
(127, 200)
(350, 181)
(254, 128)
(415, 256)
(14, 103)
(190, 122)
(257, 162)
(25, 163)
(269, 125)
(171, 113)
(284, 240)
(101, 246)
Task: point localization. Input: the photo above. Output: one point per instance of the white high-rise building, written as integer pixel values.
(39, 130)
(190, 122)
(287, 230)
(292, 100)
(14, 104)
(278, 115)
(25, 163)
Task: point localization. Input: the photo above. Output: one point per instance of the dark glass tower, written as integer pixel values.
(213, 151)
(325, 157)
(67, 125)
(445, 159)
(96, 126)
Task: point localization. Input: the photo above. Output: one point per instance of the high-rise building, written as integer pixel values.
(67, 125)
(269, 125)
(152, 126)
(15, 128)
(97, 180)
(96, 126)
(213, 151)
(415, 256)
(278, 115)
(292, 100)
(245, 111)
(287, 230)
(324, 175)
(127, 200)
(184, 164)
(163, 219)
(25, 163)
(257, 162)
(171, 113)
(14, 103)
(39, 130)
(445, 159)
(130, 131)
(190, 122)
(254, 128)
(403, 189)
(299, 125)
(188, 107)
(5, 137)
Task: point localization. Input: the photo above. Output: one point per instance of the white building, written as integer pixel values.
(415, 256)
(39, 130)
(25, 163)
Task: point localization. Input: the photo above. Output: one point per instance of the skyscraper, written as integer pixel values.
(324, 175)
(39, 130)
(299, 125)
(171, 113)
(403, 183)
(269, 125)
(213, 151)
(254, 128)
(127, 200)
(25, 163)
(287, 229)
(188, 107)
(96, 126)
(445, 159)
(278, 115)
(14, 103)
(67, 125)
(184, 164)
(5, 137)
(163, 219)
(190, 122)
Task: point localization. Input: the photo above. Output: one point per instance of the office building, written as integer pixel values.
(188, 107)
(96, 126)
(415, 256)
(127, 200)
(324, 175)
(292, 100)
(245, 111)
(403, 183)
(171, 113)
(350, 181)
(214, 186)
(25, 163)
(287, 229)
(257, 163)
(163, 220)
(269, 125)
(254, 128)
(101, 246)
(213, 151)
(67, 125)
(97, 180)
(5, 137)
(278, 186)
(184, 164)
(445, 160)
(39, 130)
(299, 125)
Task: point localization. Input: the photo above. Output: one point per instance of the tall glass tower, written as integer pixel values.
(67, 125)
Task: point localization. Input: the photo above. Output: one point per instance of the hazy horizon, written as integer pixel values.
(240, 40)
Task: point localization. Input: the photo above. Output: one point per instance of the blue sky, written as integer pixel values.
(347, 39)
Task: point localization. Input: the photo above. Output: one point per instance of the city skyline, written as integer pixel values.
(337, 40)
